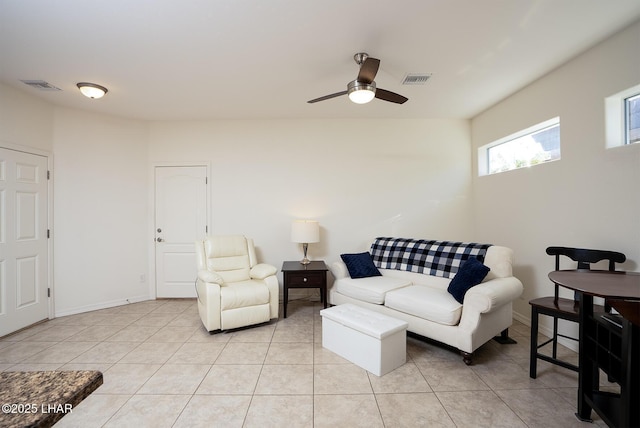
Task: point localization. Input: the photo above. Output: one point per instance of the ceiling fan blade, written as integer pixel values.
(368, 70)
(385, 95)
(327, 97)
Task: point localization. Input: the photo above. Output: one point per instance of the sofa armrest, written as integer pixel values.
(339, 270)
(492, 294)
(208, 276)
(262, 270)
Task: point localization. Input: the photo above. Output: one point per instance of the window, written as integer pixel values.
(622, 114)
(531, 146)
(632, 117)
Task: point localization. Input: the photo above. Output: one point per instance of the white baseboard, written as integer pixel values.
(102, 305)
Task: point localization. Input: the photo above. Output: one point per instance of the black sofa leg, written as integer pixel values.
(467, 357)
(504, 338)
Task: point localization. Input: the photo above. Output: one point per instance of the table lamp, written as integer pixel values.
(305, 232)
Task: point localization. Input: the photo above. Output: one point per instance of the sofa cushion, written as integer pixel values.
(471, 273)
(430, 303)
(360, 265)
(370, 290)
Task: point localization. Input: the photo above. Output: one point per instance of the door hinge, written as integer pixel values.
(48, 233)
(48, 175)
(206, 180)
(206, 229)
(48, 292)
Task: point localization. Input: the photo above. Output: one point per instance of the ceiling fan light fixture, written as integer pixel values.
(91, 90)
(360, 92)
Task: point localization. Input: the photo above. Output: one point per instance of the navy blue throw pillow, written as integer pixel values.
(360, 265)
(471, 273)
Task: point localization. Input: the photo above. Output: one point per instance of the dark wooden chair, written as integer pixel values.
(561, 308)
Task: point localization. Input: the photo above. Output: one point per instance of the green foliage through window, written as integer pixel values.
(532, 146)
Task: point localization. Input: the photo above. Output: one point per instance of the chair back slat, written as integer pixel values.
(584, 257)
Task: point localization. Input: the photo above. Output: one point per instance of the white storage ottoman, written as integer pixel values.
(373, 341)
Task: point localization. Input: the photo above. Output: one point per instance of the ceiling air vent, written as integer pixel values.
(40, 85)
(416, 78)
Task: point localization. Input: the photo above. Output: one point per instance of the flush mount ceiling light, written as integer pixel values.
(361, 92)
(91, 90)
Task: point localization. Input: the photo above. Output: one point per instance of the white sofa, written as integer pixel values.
(413, 288)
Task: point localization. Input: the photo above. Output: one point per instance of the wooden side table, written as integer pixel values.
(297, 275)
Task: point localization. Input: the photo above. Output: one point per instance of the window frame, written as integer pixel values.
(616, 122)
(483, 151)
(627, 122)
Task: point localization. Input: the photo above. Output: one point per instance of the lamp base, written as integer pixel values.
(305, 260)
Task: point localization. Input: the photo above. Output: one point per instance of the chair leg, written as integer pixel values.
(533, 353)
(555, 338)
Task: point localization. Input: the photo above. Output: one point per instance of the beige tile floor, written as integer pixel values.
(162, 369)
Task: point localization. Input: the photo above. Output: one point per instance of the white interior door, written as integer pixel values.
(24, 258)
(180, 220)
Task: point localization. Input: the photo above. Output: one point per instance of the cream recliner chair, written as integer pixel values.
(233, 289)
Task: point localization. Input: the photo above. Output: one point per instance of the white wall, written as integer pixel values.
(25, 120)
(100, 211)
(358, 178)
(589, 198)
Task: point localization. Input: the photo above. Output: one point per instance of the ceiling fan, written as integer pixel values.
(363, 89)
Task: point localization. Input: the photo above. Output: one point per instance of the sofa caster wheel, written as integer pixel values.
(467, 357)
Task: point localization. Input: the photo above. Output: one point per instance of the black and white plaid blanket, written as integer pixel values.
(439, 258)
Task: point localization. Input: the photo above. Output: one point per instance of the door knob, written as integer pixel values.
(159, 230)
(159, 239)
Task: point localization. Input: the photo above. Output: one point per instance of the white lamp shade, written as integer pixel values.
(305, 231)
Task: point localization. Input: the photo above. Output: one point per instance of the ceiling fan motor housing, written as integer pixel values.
(354, 85)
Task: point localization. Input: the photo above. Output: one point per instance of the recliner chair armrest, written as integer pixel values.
(208, 276)
(262, 270)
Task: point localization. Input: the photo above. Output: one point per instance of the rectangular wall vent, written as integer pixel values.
(416, 78)
(40, 85)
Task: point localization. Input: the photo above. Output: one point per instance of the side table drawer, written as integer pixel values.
(306, 279)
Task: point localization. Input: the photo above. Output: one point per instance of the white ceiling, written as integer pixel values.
(252, 59)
